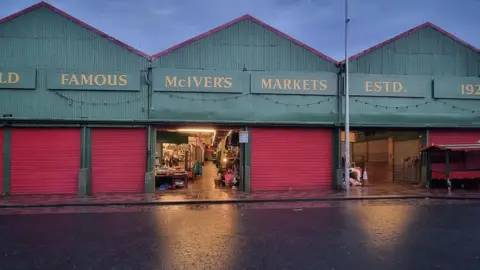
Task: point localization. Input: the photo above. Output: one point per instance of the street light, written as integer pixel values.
(347, 107)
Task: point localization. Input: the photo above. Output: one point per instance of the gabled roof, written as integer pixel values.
(407, 33)
(253, 19)
(75, 20)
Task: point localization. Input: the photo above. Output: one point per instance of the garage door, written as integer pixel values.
(119, 160)
(1, 161)
(359, 152)
(45, 161)
(406, 161)
(288, 158)
(377, 151)
(453, 136)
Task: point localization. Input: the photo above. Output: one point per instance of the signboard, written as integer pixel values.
(102, 81)
(293, 83)
(18, 79)
(457, 87)
(243, 136)
(206, 81)
(376, 85)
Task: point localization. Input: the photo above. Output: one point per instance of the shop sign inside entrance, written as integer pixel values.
(243, 136)
(292, 83)
(206, 81)
(17, 79)
(457, 87)
(85, 80)
(376, 85)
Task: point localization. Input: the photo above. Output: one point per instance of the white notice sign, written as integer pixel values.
(243, 136)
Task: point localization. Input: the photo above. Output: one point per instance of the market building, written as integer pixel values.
(83, 113)
(419, 88)
(70, 98)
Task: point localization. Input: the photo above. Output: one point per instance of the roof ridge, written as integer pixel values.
(75, 20)
(407, 33)
(234, 21)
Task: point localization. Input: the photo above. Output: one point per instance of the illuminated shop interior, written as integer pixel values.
(198, 159)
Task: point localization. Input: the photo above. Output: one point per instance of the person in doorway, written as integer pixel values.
(354, 177)
(228, 178)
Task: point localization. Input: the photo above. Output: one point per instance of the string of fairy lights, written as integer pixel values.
(286, 104)
(403, 107)
(71, 101)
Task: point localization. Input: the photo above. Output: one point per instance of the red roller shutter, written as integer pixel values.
(45, 161)
(1, 161)
(291, 158)
(119, 160)
(453, 136)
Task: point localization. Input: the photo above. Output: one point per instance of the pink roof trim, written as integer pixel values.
(253, 19)
(402, 35)
(75, 20)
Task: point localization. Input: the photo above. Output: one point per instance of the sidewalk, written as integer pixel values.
(218, 196)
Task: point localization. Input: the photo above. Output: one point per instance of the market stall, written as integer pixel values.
(453, 162)
(172, 166)
(228, 162)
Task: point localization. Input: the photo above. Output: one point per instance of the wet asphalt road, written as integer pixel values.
(412, 234)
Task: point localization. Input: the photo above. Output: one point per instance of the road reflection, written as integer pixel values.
(382, 229)
(196, 234)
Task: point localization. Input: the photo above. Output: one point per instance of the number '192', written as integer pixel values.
(471, 89)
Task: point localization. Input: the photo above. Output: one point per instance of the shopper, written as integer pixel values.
(228, 178)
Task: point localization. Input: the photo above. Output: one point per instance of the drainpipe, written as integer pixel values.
(148, 81)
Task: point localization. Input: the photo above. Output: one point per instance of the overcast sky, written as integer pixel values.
(154, 25)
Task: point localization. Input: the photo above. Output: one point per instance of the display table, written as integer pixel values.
(173, 180)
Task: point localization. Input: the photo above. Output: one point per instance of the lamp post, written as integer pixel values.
(347, 107)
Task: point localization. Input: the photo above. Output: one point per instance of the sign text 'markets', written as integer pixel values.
(295, 84)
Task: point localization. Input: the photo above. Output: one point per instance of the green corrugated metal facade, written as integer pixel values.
(47, 41)
(252, 49)
(244, 45)
(425, 52)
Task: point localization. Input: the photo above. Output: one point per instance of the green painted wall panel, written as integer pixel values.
(294, 83)
(89, 80)
(207, 81)
(457, 88)
(390, 86)
(44, 40)
(246, 108)
(18, 79)
(244, 45)
(425, 52)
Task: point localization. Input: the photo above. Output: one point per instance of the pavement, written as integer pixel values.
(204, 191)
(370, 234)
(222, 196)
